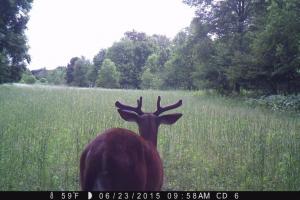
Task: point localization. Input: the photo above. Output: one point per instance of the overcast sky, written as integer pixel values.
(61, 29)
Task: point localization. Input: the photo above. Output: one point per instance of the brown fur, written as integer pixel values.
(122, 161)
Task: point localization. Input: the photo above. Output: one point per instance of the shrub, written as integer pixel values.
(28, 78)
(278, 102)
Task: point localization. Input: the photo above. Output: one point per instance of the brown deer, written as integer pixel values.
(121, 160)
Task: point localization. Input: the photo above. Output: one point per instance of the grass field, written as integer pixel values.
(218, 144)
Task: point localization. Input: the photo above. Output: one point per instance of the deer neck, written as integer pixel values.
(149, 133)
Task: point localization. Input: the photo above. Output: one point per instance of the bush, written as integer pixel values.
(43, 80)
(28, 78)
(278, 102)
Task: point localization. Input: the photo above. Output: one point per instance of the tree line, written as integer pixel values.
(136, 61)
(230, 46)
(244, 44)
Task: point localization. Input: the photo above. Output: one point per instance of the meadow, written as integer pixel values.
(218, 144)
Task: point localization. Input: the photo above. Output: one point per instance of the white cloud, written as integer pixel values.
(61, 29)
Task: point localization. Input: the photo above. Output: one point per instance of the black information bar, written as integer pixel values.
(176, 195)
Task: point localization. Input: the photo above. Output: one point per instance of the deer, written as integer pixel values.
(121, 160)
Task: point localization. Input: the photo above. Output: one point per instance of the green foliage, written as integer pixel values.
(228, 18)
(277, 102)
(28, 78)
(40, 73)
(56, 76)
(80, 72)
(162, 50)
(70, 71)
(99, 58)
(180, 67)
(134, 54)
(53, 77)
(130, 56)
(152, 63)
(150, 80)
(92, 75)
(220, 42)
(13, 47)
(108, 75)
(241, 44)
(4, 69)
(176, 76)
(43, 81)
(277, 48)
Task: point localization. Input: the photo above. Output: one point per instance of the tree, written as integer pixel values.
(209, 57)
(108, 75)
(4, 69)
(179, 68)
(99, 58)
(135, 36)
(56, 76)
(150, 80)
(134, 53)
(81, 67)
(92, 73)
(121, 53)
(162, 46)
(27, 77)
(70, 70)
(40, 73)
(231, 25)
(130, 55)
(277, 49)
(13, 47)
(152, 63)
(178, 73)
(228, 17)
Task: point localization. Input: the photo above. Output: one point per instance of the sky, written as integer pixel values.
(61, 29)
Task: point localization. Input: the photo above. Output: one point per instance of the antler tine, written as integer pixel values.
(158, 102)
(137, 109)
(139, 103)
(160, 109)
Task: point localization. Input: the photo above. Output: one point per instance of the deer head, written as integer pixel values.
(148, 123)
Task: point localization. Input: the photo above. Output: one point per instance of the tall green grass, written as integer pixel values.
(216, 145)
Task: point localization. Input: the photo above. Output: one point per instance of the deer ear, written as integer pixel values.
(169, 119)
(128, 116)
